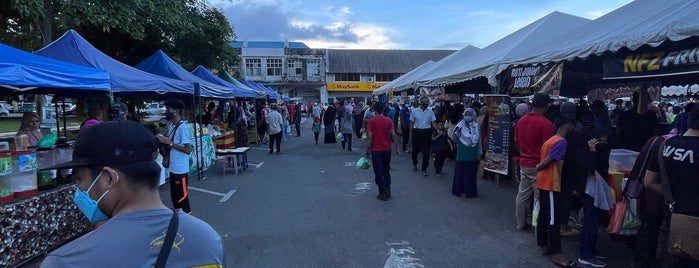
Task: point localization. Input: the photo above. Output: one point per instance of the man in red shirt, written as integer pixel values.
(531, 131)
(380, 134)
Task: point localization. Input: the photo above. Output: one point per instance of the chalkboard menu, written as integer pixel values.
(497, 149)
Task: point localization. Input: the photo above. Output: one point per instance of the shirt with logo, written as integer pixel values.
(134, 239)
(680, 155)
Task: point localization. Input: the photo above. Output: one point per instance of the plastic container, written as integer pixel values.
(23, 178)
(622, 159)
(22, 142)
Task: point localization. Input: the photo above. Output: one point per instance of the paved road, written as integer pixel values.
(310, 207)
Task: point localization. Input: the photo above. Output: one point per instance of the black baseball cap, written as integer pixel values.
(118, 106)
(112, 143)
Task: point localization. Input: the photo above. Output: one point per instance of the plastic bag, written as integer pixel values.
(363, 163)
(535, 213)
(631, 223)
(340, 137)
(617, 218)
(48, 141)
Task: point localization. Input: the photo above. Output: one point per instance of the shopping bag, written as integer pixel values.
(631, 223)
(340, 137)
(535, 213)
(48, 140)
(363, 163)
(617, 219)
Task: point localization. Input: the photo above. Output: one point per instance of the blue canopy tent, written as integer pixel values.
(25, 72)
(73, 48)
(159, 63)
(238, 91)
(270, 92)
(229, 78)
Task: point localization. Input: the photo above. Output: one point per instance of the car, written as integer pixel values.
(154, 108)
(69, 108)
(4, 111)
(6, 105)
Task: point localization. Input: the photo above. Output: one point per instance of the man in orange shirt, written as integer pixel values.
(548, 181)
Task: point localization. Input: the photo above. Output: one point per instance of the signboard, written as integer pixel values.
(353, 86)
(497, 150)
(620, 90)
(657, 63)
(527, 80)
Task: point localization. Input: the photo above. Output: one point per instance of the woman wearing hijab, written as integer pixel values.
(467, 138)
(30, 127)
(329, 123)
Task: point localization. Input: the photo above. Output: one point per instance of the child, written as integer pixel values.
(316, 128)
(439, 147)
(548, 181)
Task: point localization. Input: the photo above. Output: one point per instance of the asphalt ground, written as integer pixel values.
(310, 207)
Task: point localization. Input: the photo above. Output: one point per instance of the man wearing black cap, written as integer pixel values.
(118, 111)
(117, 182)
(531, 131)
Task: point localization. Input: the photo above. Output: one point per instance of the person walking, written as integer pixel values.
(274, 128)
(467, 138)
(422, 120)
(297, 119)
(347, 126)
(380, 133)
(405, 125)
(179, 146)
(117, 182)
(440, 147)
(531, 131)
(316, 128)
(285, 121)
(329, 117)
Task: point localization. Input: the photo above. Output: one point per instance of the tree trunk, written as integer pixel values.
(47, 37)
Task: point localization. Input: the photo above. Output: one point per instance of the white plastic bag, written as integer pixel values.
(535, 213)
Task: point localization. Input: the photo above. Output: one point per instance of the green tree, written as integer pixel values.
(190, 31)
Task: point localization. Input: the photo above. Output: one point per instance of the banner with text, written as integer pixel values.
(353, 86)
(656, 63)
(497, 150)
(524, 81)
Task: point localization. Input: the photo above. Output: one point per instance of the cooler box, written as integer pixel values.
(226, 141)
(622, 160)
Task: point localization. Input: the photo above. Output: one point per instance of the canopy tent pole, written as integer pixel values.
(65, 125)
(196, 137)
(55, 108)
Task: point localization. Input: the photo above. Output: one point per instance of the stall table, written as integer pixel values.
(234, 159)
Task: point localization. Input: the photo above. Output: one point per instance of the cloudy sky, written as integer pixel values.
(395, 24)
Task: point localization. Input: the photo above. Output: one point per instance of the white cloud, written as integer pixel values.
(368, 37)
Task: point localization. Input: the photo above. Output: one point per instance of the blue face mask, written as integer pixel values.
(169, 115)
(468, 119)
(88, 206)
(118, 116)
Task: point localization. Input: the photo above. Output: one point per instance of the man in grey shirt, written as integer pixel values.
(274, 128)
(117, 183)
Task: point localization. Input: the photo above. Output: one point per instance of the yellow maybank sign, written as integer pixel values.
(353, 86)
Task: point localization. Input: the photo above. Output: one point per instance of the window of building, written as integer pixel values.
(274, 67)
(386, 77)
(313, 67)
(294, 67)
(347, 77)
(253, 67)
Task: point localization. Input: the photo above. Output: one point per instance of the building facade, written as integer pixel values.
(325, 75)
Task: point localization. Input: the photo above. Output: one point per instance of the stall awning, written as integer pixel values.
(24, 71)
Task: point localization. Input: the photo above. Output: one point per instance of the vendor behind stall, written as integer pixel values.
(30, 127)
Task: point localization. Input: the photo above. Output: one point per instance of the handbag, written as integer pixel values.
(634, 188)
(683, 236)
(166, 150)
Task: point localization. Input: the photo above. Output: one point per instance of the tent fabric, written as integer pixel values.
(73, 48)
(270, 92)
(238, 91)
(27, 71)
(407, 78)
(641, 22)
(487, 61)
(160, 64)
(229, 78)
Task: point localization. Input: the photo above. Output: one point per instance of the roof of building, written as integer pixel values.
(267, 44)
(380, 61)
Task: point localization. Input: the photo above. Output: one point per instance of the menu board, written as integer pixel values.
(497, 149)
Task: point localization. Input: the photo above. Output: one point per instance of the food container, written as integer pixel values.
(23, 177)
(622, 159)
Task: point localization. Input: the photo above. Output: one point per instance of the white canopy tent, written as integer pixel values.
(488, 61)
(414, 73)
(641, 22)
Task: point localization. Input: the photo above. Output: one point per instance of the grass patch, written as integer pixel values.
(11, 124)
